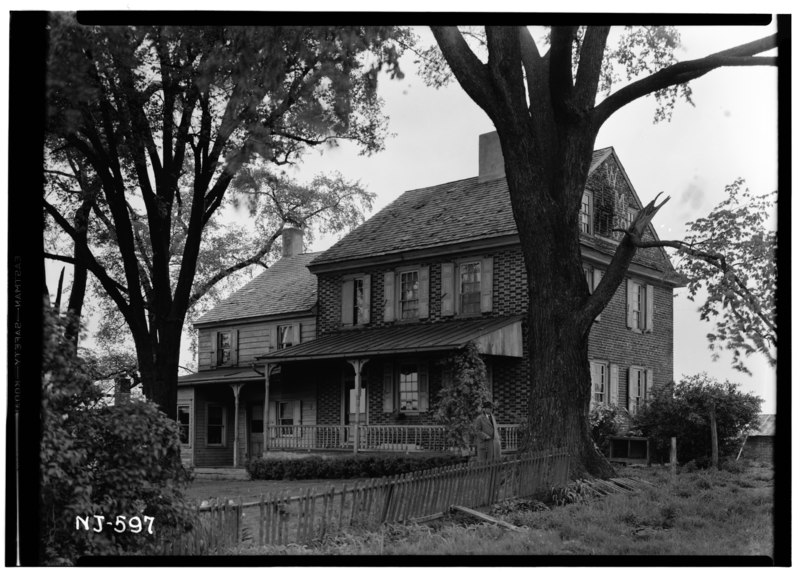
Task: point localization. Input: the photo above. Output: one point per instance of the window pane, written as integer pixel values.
(215, 415)
(358, 301)
(409, 387)
(183, 421)
(215, 435)
(470, 275)
(285, 336)
(584, 214)
(409, 294)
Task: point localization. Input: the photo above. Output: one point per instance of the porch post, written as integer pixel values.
(236, 389)
(267, 370)
(357, 364)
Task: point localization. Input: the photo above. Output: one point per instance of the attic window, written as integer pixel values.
(585, 214)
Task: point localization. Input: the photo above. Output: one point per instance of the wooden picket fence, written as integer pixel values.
(279, 519)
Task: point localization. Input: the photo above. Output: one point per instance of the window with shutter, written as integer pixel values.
(185, 424)
(287, 334)
(223, 347)
(388, 387)
(599, 374)
(640, 306)
(637, 388)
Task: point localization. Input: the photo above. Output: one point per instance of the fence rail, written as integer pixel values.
(374, 437)
(278, 519)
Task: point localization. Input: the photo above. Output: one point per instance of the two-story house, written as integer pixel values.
(221, 408)
(440, 267)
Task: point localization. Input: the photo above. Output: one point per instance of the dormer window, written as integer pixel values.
(285, 335)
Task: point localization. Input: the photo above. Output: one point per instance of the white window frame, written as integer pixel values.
(586, 199)
(399, 392)
(399, 293)
(223, 429)
(605, 379)
(279, 420)
(459, 295)
(641, 386)
(288, 329)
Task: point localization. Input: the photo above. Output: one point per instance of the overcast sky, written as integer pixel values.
(731, 132)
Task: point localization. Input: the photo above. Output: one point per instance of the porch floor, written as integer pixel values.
(226, 473)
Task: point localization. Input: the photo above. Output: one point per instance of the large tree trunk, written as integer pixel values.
(158, 368)
(545, 205)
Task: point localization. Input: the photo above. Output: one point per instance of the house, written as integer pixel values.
(437, 268)
(221, 407)
(759, 442)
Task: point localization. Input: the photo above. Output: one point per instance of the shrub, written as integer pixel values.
(682, 410)
(460, 401)
(100, 460)
(345, 467)
(603, 419)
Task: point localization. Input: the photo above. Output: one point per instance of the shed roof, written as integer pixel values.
(395, 340)
(286, 287)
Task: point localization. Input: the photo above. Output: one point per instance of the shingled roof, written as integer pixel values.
(449, 213)
(285, 287)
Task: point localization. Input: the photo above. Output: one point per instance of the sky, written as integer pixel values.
(730, 132)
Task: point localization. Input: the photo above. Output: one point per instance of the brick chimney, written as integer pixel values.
(292, 241)
(490, 157)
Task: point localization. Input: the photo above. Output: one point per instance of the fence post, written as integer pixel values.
(673, 457)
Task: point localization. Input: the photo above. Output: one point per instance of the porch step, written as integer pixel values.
(221, 473)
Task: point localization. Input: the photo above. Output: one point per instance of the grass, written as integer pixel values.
(250, 490)
(705, 512)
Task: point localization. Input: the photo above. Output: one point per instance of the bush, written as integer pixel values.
(101, 460)
(603, 419)
(682, 410)
(460, 401)
(345, 467)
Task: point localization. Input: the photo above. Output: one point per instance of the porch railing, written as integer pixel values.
(405, 438)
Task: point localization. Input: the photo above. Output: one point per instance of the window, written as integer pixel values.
(409, 388)
(589, 275)
(470, 287)
(355, 300)
(409, 294)
(285, 335)
(600, 386)
(286, 417)
(257, 419)
(184, 422)
(640, 306)
(224, 348)
(585, 215)
(405, 387)
(359, 301)
(636, 389)
(215, 425)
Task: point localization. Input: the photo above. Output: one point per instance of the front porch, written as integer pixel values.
(371, 438)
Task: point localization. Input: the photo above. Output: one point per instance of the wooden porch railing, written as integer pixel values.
(407, 438)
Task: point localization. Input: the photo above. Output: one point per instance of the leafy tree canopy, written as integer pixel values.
(737, 284)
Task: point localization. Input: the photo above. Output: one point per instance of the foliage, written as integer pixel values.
(345, 467)
(739, 299)
(100, 460)
(148, 126)
(682, 410)
(604, 420)
(460, 401)
(574, 492)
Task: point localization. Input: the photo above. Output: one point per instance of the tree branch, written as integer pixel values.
(682, 72)
(561, 67)
(470, 72)
(719, 262)
(201, 291)
(590, 66)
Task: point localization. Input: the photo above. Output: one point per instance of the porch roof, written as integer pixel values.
(495, 336)
(221, 375)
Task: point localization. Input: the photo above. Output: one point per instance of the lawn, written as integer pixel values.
(251, 490)
(705, 512)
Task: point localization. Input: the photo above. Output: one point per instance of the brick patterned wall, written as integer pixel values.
(609, 341)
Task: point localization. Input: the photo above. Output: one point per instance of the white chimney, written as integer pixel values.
(292, 241)
(490, 157)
